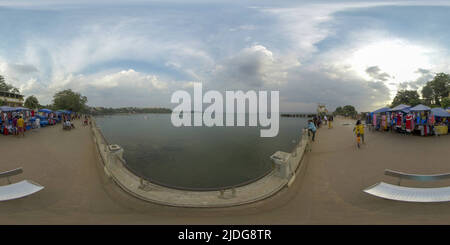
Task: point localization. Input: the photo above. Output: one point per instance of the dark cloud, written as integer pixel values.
(22, 69)
(375, 73)
(316, 87)
(425, 76)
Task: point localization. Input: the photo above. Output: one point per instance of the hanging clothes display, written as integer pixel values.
(431, 119)
(399, 120)
(409, 122)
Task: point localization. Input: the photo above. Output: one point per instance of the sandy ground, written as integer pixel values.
(328, 192)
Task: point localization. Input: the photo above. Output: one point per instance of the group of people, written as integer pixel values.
(316, 122)
(16, 127)
(18, 120)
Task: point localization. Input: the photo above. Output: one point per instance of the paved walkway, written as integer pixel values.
(329, 191)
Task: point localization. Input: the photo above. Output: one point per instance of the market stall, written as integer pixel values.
(442, 121)
(398, 117)
(420, 119)
(47, 117)
(379, 118)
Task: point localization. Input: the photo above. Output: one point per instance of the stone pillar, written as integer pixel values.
(281, 161)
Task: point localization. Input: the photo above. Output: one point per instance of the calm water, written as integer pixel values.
(196, 157)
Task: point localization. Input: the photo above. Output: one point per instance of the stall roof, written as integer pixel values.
(9, 108)
(439, 112)
(384, 109)
(420, 108)
(401, 107)
(45, 110)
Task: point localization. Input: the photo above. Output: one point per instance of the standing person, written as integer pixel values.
(330, 119)
(38, 122)
(14, 125)
(21, 126)
(312, 129)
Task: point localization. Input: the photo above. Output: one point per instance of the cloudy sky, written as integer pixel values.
(137, 53)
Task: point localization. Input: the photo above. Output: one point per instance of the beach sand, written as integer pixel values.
(329, 191)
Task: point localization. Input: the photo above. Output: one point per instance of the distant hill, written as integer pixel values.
(126, 110)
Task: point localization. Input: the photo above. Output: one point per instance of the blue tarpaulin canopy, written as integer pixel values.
(439, 112)
(22, 109)
(420, 108)
(8, 108)
(401, 107)
(46, 110)
(384, 109)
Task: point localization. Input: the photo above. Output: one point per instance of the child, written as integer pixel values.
(359, 131)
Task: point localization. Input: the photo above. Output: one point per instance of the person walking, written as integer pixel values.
(359, 132)
(330, 120)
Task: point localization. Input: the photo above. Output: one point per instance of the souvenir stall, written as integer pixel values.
(398, 117)
(442, 118)
(7, 115)
(64, 115)
(27, 117)
(419, 119)
(47, 117)
(379, 119)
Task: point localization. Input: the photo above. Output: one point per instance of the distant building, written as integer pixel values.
(11, 99)
(322, 110)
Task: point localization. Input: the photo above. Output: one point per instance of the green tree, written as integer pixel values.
(441, 87)
(445, 102)
(32, 102)
(427, 94)
(7, 87)
(409, 97)
(348, 111)
(338, 111)
(69, 100)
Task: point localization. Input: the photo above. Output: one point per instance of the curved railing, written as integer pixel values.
(249, 191)
(124, 163)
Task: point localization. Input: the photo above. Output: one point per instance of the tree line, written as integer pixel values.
(346, 111)
(435, 93)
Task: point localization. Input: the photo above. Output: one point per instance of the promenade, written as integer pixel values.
(328, 191)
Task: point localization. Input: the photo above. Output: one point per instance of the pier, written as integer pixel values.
(306, 115)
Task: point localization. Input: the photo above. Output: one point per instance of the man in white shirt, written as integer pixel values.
(38, 123)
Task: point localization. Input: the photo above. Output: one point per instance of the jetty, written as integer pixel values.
(307, 115)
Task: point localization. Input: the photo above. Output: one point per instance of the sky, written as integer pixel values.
(137, 53)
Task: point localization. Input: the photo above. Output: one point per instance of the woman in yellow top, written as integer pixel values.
(20, 125)
(359, 131)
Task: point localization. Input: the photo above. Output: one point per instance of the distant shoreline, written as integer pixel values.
(128, 110)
